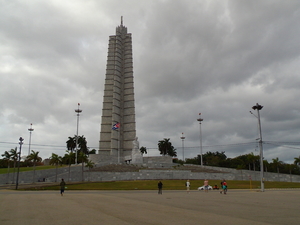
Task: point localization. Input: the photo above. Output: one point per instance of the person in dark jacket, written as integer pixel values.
(160, 185)
(62, 187)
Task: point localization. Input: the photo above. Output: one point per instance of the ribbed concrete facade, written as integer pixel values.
(118, 100)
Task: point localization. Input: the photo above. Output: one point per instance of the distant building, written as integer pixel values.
(46, 162)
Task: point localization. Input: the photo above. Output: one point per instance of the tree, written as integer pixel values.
(297, 161)
(253, 159)
(166, 148)
(71, 143)
(69, 158)
(93, 151)
(90, 165)
(276, 163)
(55, 160)
(82, 144)
(143, 150)
(290, 168)
(244, 162)
(34, 157)
(195, 160)
(236, 162)
(82, 158)
(214, 158)
(6, 156)
(14, 157)
(266, 165)
(248, 161)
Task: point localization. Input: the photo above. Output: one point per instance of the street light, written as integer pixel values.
(182, 138)
(20, 143)
(259, 107)
(200, 120)
(78, 111)
(30, 130)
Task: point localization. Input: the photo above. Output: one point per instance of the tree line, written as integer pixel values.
(247, 162)
(219, 159)
(10, 158)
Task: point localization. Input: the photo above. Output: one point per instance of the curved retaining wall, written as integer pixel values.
(76, 175)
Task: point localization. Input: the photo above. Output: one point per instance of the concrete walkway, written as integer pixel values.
(147, 207)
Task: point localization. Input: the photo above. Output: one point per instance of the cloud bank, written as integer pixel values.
(219, 58)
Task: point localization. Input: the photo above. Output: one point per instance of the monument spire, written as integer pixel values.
(118, 99)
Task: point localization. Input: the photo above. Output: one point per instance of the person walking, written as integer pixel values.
(206, 185)
(188, 184)
(62, 187)
(160, 185)
(224, 187)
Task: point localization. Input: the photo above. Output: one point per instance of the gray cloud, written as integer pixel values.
(215, 57)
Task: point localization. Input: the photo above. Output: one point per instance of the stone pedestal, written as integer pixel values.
(137, 157)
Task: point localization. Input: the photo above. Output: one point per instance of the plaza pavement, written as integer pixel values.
(147, 207)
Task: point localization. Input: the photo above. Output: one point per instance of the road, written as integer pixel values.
(147, 207)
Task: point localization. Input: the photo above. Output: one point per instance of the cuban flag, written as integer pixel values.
(116, 126)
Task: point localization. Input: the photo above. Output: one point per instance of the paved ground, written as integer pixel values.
(147, 207)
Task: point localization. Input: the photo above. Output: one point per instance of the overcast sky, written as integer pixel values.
(214, 57)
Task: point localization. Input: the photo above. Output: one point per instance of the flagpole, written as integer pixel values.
(201, 157)
(78, 111)
(118, 146)
(116, 127)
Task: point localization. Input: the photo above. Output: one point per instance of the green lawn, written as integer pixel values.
(167, 185)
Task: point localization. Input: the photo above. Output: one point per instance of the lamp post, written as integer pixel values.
(182, 138)
(20, 143)
(78, 111)
(259, 107)
(200, 120)
(30, 130)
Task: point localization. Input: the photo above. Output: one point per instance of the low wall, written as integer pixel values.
(255, 175)
(186, 174)
(48, 175)
(76, 175)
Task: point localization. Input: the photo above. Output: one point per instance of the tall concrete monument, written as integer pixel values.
(118, 130)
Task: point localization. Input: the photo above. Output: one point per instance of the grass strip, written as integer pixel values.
(167, 185)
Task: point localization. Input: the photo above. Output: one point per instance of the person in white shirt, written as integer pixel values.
(188, 184)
